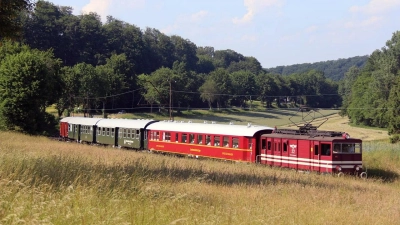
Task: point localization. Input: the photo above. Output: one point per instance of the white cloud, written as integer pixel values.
(185, 21)
(103, 7)
(197, 17)
(99, 6)
(369, 22)
(251, 38)
(311, 29)
(376, 6)
(253, 7)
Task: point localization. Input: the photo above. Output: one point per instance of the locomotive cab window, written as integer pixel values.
(326, 149)
(316, 149)
(263, 144)
(285, 146)
(269, 145)
(346, 148)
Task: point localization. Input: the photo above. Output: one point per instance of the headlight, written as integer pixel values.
(357, 168)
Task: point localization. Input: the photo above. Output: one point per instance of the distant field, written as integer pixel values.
(329, 119)
(271, 117)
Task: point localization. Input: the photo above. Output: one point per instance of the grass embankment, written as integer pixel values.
(49, 182)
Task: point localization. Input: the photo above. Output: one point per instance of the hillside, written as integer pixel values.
(333, 69)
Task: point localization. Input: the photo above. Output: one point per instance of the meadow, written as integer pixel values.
(43, 181)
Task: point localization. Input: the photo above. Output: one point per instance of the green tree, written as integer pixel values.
(394, 108)
(244, 86)
(209, 92)
(71, 87)
(10, 24)
(29, 82)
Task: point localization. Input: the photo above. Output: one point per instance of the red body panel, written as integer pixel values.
(243, 152)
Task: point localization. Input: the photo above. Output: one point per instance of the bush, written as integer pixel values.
(394, 138)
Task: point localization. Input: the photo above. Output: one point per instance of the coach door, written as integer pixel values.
(315, 156)
(277, 152)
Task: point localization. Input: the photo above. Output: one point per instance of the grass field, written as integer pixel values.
(50, 182)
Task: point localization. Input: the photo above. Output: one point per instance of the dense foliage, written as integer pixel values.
(29, 82)
(113, 66)
(333, 69)
(10, 24)
(371, 95)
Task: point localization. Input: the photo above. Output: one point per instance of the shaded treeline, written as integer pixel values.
(115, 65)
(371, 95)
(334, 69)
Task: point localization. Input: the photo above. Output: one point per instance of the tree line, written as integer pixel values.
(333, 69)
(77, 61)
(371, 95)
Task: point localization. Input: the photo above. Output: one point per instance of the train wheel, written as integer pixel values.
(363, 175)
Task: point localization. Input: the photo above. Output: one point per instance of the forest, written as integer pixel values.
(333, 69)
(50, 56)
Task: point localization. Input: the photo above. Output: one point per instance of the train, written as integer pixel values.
(302, 149)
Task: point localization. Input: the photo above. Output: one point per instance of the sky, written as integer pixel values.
(275, 32)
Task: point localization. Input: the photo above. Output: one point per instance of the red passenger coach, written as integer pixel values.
(312, 150)
(230, 142)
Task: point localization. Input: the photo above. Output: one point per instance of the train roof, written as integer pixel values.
(125, 123)
(311, 137)
(81, 120)
(207, 128)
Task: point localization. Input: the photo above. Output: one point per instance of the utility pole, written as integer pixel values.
(170, 100)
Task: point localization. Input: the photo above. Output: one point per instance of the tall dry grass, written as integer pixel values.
(49, 182)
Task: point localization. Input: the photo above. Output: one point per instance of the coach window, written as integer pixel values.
(184, 138)
(226, 141)
(235, 142)
(326, 149)
(99, 131)
(167, 136)
(151, 135)
(137, 134)
(208, 140)
(112, 132)
(108, 131)
(285, 146)
(191, 138)
(269, 145)
(157, 135)
(263, 144)
(103, 133)
(250, 141)
(217, 141)
(200, 139)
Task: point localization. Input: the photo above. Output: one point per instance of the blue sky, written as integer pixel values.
(276, 32)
